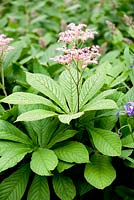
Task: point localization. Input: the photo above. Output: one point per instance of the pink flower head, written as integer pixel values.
(4, 47)
(86, 55)
(75, 33)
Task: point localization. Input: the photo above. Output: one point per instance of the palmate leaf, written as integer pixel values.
(101, 104)
(63, 166)
(43, 161)
(28, 98)
(10, 132)
(12, 154)
(99, 173)
(120, 79)
(66, 118)
(103, 95)
(60, 136)
(37, 114)
(72, 152)
(40, 130)
(64, 187)
(90, 87)
(107, 142)
(39, 189)
(48, 87)
(68, 81)
(13, 187)
(128, 141)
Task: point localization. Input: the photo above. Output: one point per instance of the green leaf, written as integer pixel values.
(128, 141)
(125, 192)
(40, 131)
(68, 80)
(50, 53)
(68, 117)
(43, 161)
(111, 56)
(64, 187)
(72, 152)
(126, 97)
(14, 55)
(83, 186)
(48, 87)
(101, 104)
(39, 189)
(12, 154)
(13, 187)
(10, 132)
(106, 119)
(63, 166)
(28, 98)
(106, 141)
(37, 114)
(99, 173)
(120, 79)
(60, 136)
(127, 57)
(126, 153)
(90, 87)
(104, 94)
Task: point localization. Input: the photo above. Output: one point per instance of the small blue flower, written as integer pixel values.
(132, 66)
(129, 108)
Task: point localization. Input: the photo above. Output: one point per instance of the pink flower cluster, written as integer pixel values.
(75, 33)
(4, 47)
(86, 55)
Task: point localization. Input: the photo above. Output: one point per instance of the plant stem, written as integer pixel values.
(3, 81)
(77, 87)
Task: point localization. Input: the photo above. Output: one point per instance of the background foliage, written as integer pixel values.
(89, 156)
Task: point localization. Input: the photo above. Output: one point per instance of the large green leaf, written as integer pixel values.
(101, 104)
(43, 161)
(63, 166)
(43, 130)
(68, 81)
(28, 98)
(66, 118)
(106, 120)
(104, 94)
(48, 87)
(90, 87)
(13, 187)
(120, 79)
(39, 189)
(106, 141)
(40, 130)
(12, 154)
(37, 114)
(61, 136)
(72, 152)
(10, 132)
(128, 141)
(64, 187)
(99, 173)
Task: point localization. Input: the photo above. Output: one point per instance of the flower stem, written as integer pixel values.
(3, 82)
(77, 87)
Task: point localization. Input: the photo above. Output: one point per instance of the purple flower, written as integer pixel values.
(132, 66)
(129, 108)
